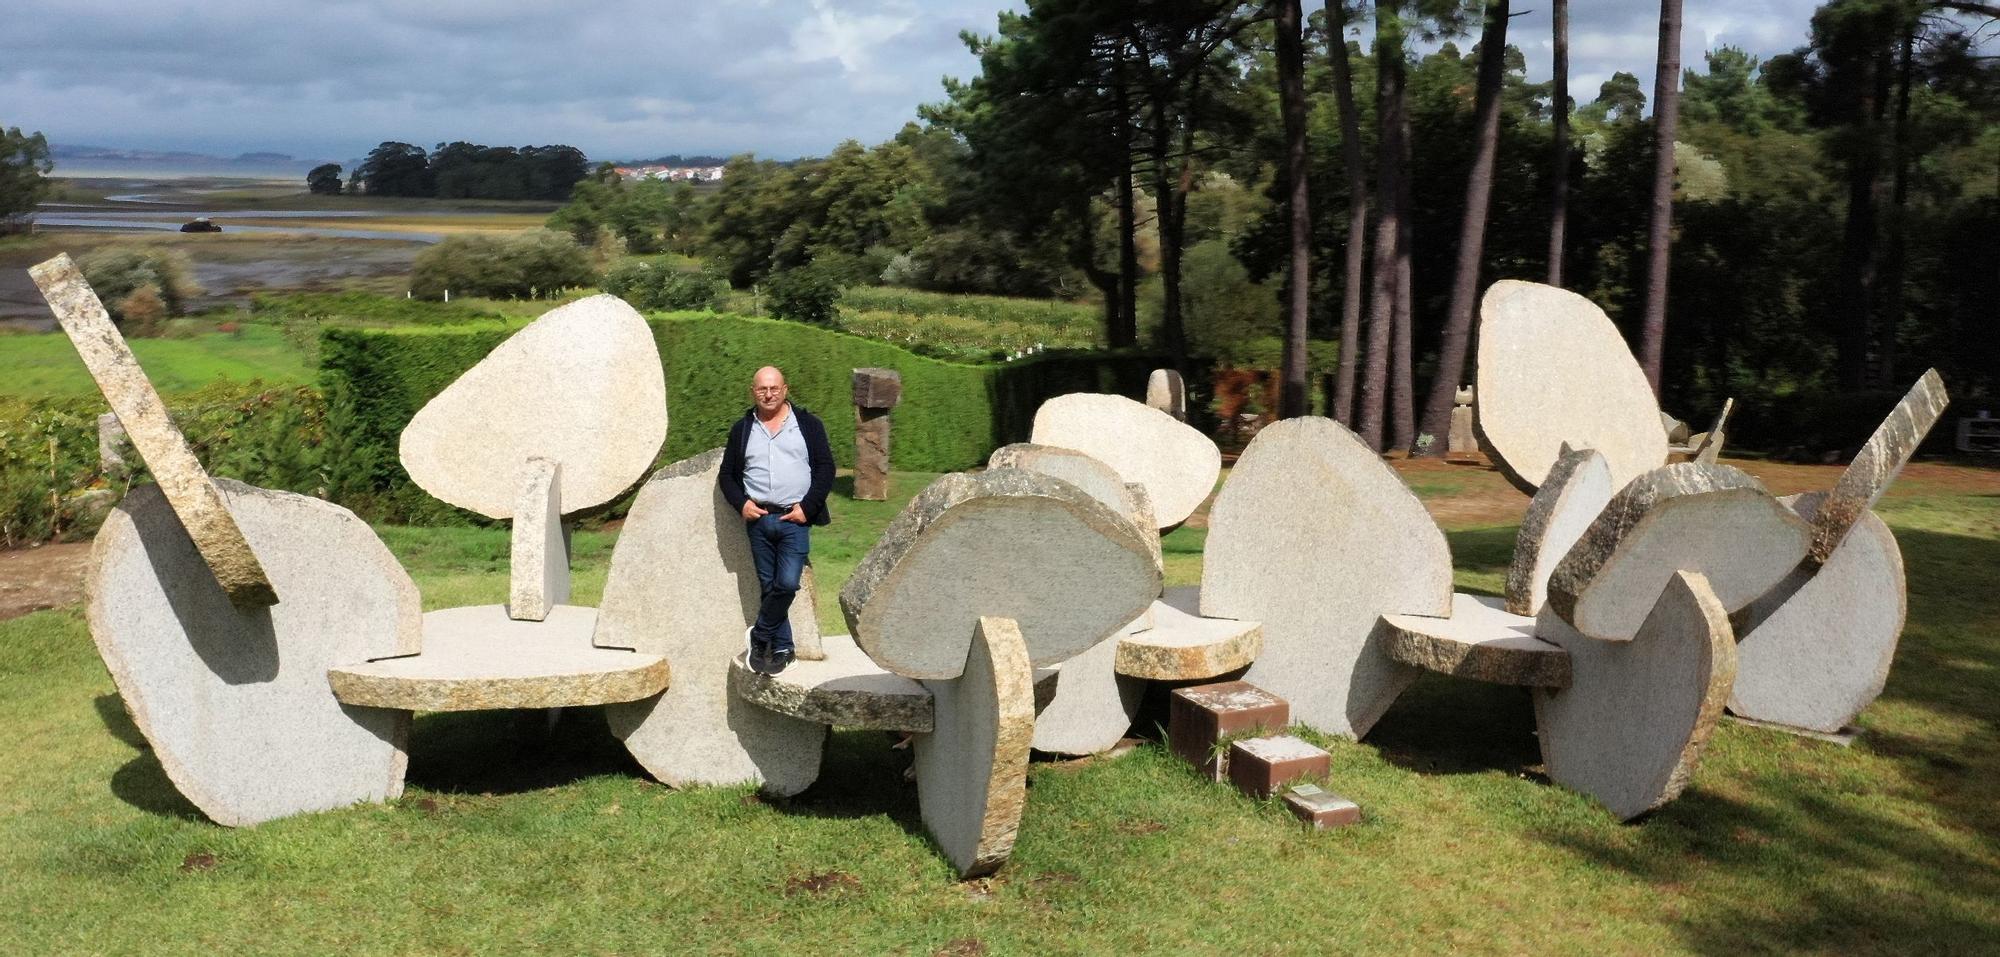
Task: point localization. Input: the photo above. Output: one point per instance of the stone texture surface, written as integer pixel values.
(581, 385)
(1878, 463)
(234, 701)
(1093, 705)
(1200, 717)
(1462, 437)
(843, 689)
(1100, 481)
(877, 389)
(476, 658)
(1711, 519)
(1632, 725)
(1260, 766)
(539, 565)
(189, 491)
(1553, 369)
(804, 618)
(1316, 538)
(1166, 392)
(1709, 449)
(1816, 650)
(682, 586)
(1677, 431)
(972, 770)
(1177, 646)
(1321, 809)
(1175, 462)
(113, 445)
(1575, 491)
(1004, 543)
(871, 454)
(1481, 641)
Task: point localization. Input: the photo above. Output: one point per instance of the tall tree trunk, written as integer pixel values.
(1896, 260)
(1559, 183)
(1292, 395)
(1357, 213)
(1660, 225)
(1173, 332)
(1127, 332)
(1382, 282)
(1402, 371)
(1471, 230)
(1860, 259)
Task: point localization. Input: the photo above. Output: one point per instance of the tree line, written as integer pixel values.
(459, 170)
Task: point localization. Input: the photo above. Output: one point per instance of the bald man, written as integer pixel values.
(776, 472)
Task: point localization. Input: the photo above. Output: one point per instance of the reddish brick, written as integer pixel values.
(1200, 716)
(1321, 809)
(1259, 766)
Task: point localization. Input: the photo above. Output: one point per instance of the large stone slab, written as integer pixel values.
(582, 385)
(871, 455)
(804, 618)
(234, 701)
(1711, 519)
(1553, 369)
(1003, 543)
(1101, 481)
(972, 770)
(843, 689)
(192, 495)
(1816, 650)
(1575, 491)
(1878, 463)
(1177, 646)
(539, 566)
(1316, 538)
(1093, 706)
(1630, 728)
(682, 586)
(1481, 640)
(1175, 462)
(479, 658)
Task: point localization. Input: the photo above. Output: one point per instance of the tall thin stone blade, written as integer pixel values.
(1878, 464)
(187, 486)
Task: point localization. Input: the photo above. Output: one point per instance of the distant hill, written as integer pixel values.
(72, 160)
(675, 159)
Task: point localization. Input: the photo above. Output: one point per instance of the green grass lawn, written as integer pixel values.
(516, 838)
(45, 365)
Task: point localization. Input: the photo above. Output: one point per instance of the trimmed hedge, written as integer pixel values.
(951, 418)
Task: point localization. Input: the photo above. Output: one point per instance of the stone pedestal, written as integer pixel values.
(1202, 716)
(876, 391)
(1259, 766)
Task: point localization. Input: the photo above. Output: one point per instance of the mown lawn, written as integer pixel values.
(43, 365)
(516, 838)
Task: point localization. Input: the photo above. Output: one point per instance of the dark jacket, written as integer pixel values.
(819, 454)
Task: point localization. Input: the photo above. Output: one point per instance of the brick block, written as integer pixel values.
(1319, 808)
(1259, 766)
(1200, 716)
(877, 388)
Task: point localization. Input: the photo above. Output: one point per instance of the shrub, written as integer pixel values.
(506, 267)
(119, 273)
(659, 287)
(806, 294)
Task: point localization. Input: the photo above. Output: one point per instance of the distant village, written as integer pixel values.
(690, 174)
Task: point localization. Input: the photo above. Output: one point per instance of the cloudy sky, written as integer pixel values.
(617, 78)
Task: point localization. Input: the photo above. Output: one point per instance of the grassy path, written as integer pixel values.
(512, 838)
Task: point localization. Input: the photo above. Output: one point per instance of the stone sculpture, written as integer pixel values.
(1166, 392)
(1177, 464)
(1575, 491)
(876, 391)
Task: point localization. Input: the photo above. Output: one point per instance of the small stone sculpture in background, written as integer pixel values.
(1166, 392)
(876, 391)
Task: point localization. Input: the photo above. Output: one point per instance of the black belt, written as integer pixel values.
(774, 508)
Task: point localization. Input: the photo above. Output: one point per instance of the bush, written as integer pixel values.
(504, 267)
(659, 287)
(806, 294)
(144, 283)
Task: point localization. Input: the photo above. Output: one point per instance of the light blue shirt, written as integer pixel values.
(775, 467)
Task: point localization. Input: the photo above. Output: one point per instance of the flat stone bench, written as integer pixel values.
(844, 689)
(1481, 641)
(478, 659)
(1180, 645)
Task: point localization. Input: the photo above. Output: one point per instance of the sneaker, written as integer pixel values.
(778, 660)
(755, 655)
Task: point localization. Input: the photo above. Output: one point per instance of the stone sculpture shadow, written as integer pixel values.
(514, 751)
(245, 650)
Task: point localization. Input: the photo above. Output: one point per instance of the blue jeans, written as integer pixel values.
(779, 550)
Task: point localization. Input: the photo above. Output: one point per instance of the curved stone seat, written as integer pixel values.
(1184, 647)
(1481, 640)
(844, 689)
(478, 659)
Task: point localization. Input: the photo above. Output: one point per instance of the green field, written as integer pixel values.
(45, 365)
(513, 838)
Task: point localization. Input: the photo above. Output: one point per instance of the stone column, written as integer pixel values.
(876, 391)
(1461, 443)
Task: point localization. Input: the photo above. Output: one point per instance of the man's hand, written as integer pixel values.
(796, 515)
(752, 511)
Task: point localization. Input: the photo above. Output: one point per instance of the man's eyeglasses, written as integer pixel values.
(768, 390)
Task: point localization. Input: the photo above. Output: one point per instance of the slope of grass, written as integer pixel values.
(45, 365)
(516, 838)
